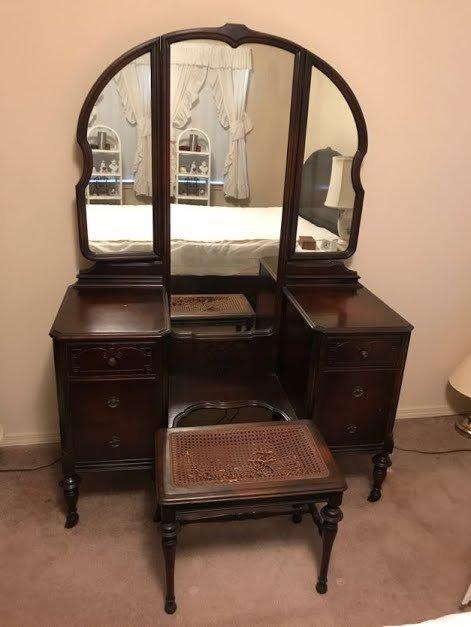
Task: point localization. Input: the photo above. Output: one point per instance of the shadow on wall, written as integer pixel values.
(46, 400)
(80, 262)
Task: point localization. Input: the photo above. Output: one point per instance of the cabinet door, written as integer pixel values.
(113, 419)
(352, 408)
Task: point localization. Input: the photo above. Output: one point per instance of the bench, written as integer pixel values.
(253, 470)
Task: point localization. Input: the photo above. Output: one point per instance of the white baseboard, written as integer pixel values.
(29, 438)
(51, 437)
(424, 411)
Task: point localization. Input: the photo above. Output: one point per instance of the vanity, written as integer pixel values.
(219, 198)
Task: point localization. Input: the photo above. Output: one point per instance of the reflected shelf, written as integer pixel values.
(186, 175)
(105, 174)
(193, 152)
(104, 198)
(193, 197)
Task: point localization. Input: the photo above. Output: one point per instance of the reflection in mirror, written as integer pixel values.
(229, 122)
(327, 195)
(119, 192)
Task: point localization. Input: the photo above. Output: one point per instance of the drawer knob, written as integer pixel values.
(364, 353)
(113, 402)
(352, 428)
(114, 442)
(358, 391)
(112, 362)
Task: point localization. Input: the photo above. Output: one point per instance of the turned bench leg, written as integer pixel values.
(297, 515)
(168, 531)
(331, 515)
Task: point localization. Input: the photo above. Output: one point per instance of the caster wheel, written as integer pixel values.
(297, 518)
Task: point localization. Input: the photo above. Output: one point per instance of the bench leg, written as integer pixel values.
(297, 515)
(168, 531)
(331, 515)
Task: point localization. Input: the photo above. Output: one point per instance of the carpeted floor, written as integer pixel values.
(404, 559)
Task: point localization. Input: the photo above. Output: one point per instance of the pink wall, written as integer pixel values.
(408, 63)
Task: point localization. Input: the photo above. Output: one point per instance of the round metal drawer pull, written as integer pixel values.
(358, 391)
(352, 428)
(114, 442)
(112, 362)
(364, 353)
(113, 402)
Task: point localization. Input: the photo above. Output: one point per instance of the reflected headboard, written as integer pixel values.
(314, 186)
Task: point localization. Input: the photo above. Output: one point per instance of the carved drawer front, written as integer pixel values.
(363, 351)
(352, 408)
(111, 358)
(113, 419)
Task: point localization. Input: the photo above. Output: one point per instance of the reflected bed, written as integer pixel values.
(199, 242)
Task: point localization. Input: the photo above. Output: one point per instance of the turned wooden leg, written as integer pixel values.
(169, 546)
(316, 517)
(381, 462)
(70, 484)
(297, 515)
(331, 515)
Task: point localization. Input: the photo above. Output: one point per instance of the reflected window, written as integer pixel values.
(119, 193)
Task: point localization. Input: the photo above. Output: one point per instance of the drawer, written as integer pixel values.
(363, 351)
(352, 408)
(111, 357)
(114, 419)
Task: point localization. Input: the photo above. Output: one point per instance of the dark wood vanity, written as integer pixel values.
(316, 345)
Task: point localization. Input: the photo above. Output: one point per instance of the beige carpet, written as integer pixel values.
(404, 559)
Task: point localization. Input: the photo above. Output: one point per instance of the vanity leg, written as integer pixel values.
(381, 462)
(70, 484)
(331, 515)
(168, 531)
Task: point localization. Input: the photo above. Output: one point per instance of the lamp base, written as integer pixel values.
(463, 425)
(344, 224)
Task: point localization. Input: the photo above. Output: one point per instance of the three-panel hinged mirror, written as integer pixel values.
(220, 152)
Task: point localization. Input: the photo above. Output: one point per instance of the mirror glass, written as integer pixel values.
(327, 195)
(229, 122)
(119, 192)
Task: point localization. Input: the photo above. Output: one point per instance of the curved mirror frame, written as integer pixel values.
(234, 35)
(83, 130)
(313, 62)
(238, 36)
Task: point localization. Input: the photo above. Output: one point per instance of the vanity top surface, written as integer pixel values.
(341, 307)
(111, 313)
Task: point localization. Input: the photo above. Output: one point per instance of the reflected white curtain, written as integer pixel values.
(188, 70)
(230, 71)
(133, 85)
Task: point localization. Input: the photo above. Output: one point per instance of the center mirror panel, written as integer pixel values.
(119, 193)
(229, 123)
